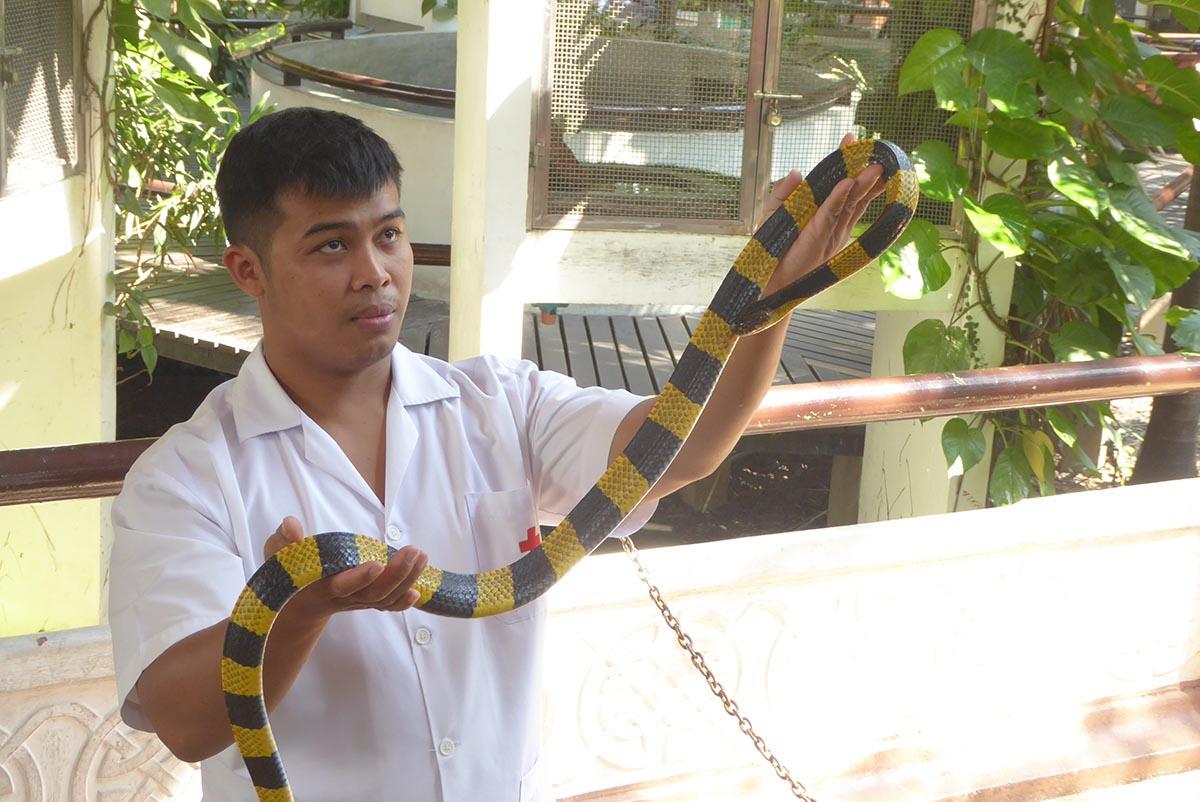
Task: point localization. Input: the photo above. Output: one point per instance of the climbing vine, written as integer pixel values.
(170, 109)
(1061, 128)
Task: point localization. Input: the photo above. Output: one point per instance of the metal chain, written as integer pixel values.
(731, 707)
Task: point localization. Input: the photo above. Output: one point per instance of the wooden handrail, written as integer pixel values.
(96, 470)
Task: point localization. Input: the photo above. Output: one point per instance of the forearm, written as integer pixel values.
(181, 690)
(745, 380)
(747, 376)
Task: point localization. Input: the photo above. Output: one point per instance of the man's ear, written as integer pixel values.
(246, 269)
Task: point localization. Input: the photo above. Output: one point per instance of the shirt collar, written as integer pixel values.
(260, 404)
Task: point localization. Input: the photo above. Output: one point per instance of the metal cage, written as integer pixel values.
(678, 114)
(39, 82)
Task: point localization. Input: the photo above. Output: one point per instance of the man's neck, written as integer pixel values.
(329, 396)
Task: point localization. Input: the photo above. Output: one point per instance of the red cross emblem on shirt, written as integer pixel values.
(532, 540)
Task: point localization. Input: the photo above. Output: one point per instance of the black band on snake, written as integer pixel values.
(736, 310)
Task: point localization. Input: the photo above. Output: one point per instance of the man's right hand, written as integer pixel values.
(367, 586)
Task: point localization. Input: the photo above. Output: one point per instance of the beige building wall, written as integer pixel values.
(57, 384)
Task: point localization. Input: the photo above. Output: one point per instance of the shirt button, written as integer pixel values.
(393, 534)
(423, 636)
(446, 747)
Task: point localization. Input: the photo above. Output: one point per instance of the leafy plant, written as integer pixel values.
(170, 100)
(1056, 189)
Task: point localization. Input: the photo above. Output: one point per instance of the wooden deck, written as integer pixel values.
(202, 318)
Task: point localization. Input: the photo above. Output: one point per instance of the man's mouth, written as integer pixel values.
(378, 317)
(374, 312)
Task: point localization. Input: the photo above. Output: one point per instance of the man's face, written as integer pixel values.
(337, 280)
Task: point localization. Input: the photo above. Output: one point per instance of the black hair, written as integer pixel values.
(325, 154)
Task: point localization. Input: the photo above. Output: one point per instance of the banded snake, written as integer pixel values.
(735, 311)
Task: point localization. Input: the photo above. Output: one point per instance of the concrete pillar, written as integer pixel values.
(499, 58)
(905, 471)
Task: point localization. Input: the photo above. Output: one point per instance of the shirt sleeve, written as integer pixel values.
(570, 430)
(174, 571)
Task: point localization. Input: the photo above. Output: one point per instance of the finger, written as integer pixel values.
(389, 580)
(397, 595)
(867, 182)
(289, 531)
(846, 140)
(406, 600)
(347, 584)
(779, 193)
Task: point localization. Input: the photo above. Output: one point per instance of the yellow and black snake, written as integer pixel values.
(735, 311)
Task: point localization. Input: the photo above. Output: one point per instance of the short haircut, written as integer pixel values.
(324, 154)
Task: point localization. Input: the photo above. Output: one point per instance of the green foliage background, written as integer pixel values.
(171, 111)
(1044, 172)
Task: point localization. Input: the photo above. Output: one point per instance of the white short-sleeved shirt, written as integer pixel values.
(390, 706)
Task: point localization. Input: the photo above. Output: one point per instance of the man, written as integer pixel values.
(331, 425)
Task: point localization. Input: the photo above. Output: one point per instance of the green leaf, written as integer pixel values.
(1022, 138)
(1012, 479)
(184, 105)
(1014, 98)
(1146, 346)
(1080, 281)
(951, 90)
(1078, 183)
(1102, 12)
(1179, 89)
(939, 49)
(1077, 341)
(1002, 54)
(1186, 333)
(1136, 280)
(209, 10)
(1177, 314)
(149, 358)
(963, 446)
(1136, 119)
(1073, 228)
(195, 24)
(1039, 453)
(163, 9)
(933, 347)
(1064, 89)
(427, 6)
(975, 118)
(145, 336)
(183, 53)
(125, 341)
(1187, 139)
(914, 266)
(1120, 172)
(940, 175)
(1062, 425)
(1169, 271)
(1005, 224)
(1135, 213)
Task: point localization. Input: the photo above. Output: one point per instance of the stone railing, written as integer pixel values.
(1042, 648)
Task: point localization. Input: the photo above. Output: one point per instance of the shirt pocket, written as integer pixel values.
(504, 528)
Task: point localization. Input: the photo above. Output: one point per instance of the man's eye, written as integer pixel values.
(333, 246)
(391, 234)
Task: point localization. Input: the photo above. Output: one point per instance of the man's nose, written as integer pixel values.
(370, 270)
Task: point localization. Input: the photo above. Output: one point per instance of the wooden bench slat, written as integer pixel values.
(633, 359)
(583, 367)
(604, 350)
(658, 355)
(550, 338)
